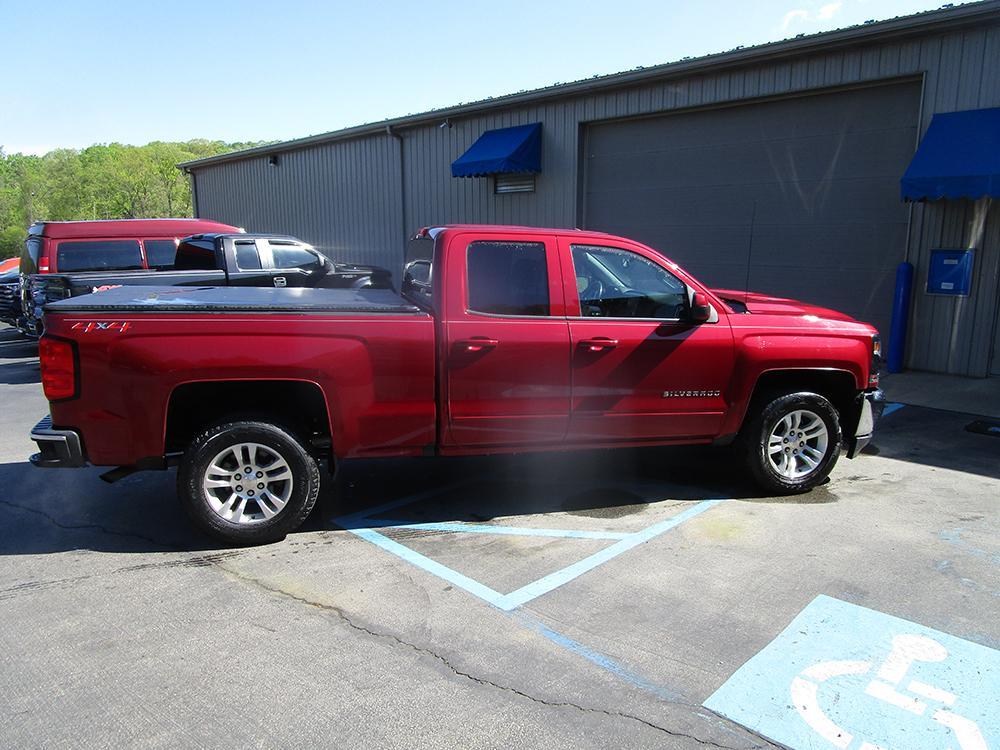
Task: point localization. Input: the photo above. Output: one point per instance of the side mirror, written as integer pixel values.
(701, 310)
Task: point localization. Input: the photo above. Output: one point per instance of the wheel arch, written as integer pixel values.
(838, 386)
(300, 405)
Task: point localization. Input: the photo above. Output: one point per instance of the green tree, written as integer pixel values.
(104, 181)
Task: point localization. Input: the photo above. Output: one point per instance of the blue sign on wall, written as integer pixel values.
(950, 272)
(843, 676)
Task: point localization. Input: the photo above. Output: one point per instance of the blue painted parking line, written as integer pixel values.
(362, 524)
(891, 408)
(843, 676)
(482, 528)
(595, 657)
(431, 566)
(561, 577)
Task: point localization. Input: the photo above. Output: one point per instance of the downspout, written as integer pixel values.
(903, 302)
(404, 227)
(194, 193)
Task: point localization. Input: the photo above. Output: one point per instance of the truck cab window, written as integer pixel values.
(247, 257)
(160, 253)
(508, 278)
(615, 283)
(287, 255)
(195, 255)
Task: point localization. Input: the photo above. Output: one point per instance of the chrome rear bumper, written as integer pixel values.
(57, 449)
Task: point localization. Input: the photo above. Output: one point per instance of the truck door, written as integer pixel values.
(293, 264)
(506, 341)
(247, 262)
(641, 369)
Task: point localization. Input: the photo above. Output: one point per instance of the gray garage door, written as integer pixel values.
(823, 171)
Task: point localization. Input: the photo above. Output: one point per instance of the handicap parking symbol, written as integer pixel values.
(847, 677)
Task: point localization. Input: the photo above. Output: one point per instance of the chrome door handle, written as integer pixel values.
(598, 344)
(478, 344)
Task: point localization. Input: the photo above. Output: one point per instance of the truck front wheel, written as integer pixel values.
(247, 482)
(792, 442)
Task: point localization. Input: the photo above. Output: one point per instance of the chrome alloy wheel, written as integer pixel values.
(798, 444)
(247, 483)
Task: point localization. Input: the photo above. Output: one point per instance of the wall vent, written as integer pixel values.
(513, 183)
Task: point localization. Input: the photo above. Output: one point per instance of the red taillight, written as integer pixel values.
(43, 265)
(58, 368)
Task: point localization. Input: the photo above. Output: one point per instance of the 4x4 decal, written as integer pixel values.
(119, 326)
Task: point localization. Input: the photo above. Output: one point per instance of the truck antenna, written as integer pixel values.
(753, 218)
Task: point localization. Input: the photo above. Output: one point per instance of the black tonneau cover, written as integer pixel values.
(235, 299)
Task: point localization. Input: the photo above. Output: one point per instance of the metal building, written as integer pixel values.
(777, 165)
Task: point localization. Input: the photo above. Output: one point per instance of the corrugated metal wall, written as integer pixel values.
(345, 195)
(954, 334)
(342, 197)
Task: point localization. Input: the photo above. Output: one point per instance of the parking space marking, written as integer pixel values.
(431, 566)
(849, 677)
(561, 577)
(482, 528)
(890, 408)
(594, 657)
(363, 525)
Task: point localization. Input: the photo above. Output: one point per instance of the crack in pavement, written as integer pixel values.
(215, 560)
(89, 526)
(346, 620)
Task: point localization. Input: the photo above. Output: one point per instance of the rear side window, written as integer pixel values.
(293, 256)
(99, 255)
(508, 278)
(160, 253)
(196, 255)
(31, 254)
(247, 257)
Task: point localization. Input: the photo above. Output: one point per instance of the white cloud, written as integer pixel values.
(828, 11)
(800, 16)
(28, 150)
(792, 16)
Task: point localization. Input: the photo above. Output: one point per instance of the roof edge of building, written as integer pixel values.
(918, 23)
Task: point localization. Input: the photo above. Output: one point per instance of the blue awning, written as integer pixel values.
(503, 151)
(959, 157)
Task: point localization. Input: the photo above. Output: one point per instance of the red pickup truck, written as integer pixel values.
(503, 339)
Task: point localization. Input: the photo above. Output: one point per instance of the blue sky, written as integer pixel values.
(77, 72)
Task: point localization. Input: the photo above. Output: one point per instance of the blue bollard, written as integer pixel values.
(900, 316)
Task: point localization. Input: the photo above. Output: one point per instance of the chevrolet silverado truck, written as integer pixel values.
(211, 259)
(503, 339)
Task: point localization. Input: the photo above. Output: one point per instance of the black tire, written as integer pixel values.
(764, 416)
(204, 448)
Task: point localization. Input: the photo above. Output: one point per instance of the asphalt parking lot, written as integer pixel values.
(606, 599)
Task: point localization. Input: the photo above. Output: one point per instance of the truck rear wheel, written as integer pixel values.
(247, 482)
(792, 442)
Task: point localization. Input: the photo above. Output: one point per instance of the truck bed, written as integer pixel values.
(236, 300)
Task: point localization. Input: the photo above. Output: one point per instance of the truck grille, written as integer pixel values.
(10, 302)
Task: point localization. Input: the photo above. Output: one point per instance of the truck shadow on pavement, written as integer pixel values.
(606, 484)
(20, 373)
(47, 511)
(18, 359)
(65, 510)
